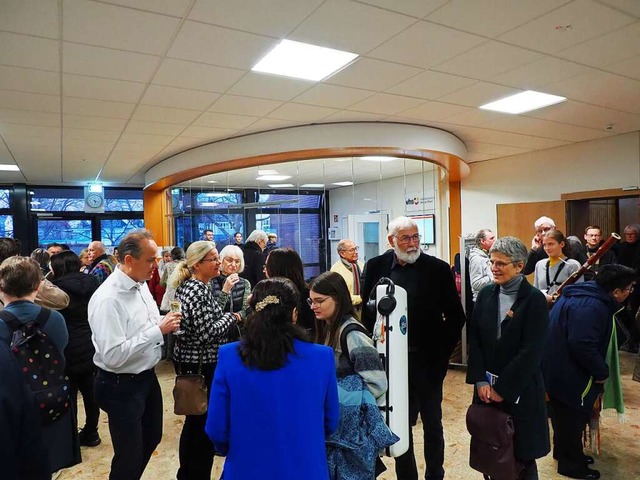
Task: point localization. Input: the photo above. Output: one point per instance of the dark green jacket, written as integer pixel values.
(515, 358)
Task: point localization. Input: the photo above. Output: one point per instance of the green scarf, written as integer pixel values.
(612, 397)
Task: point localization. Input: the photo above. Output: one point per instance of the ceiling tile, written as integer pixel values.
(325, 95)
(26, 117)
(415, 8)
(301, 113)
(371, 74)
(349, 26)
(265, 124)
(539, 73)
(425, 45)
(155, 128)
(153, 113)
(176, 8)
(126, 29)
(94, 123)
(108, 63)
(543, 128)
(478, 94)
(491, 18)
(487, 60)
(431, 85)
(97, 108)
(508, 138)
(601, 88)
(607, 49)
(162, 96)
(30, 52)
(632, 7)
(232, 48)
(386, 104)
(269, 86)
(32, 17)
(196, 76)
(35, 131)
(590, 116)
(433, 111)
(208, 133)
(233, 104)
(29, 101)
(475, 117)
(479, 157)
(145, 139)
(587, 19)
(492, 149)
(223, 120)
(276, 18)
(102, 89)
(629, 67)
(348, 116)
(28, 80)
(82, 135)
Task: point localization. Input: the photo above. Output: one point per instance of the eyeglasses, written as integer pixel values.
(544, 229)
(409, 238)
(213, 259)
(351, 250)
(317, 301)
(500, 265)
(235, 261)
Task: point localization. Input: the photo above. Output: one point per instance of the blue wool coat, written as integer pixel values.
(272, 424)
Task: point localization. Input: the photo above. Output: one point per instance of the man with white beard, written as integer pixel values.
(435, 318)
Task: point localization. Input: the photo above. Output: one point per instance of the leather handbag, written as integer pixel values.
(190, 392)
(492, 451)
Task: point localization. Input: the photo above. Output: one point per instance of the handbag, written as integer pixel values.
(492, 451)
(190, 392)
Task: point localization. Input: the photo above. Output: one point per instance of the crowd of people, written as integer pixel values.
(272, 349)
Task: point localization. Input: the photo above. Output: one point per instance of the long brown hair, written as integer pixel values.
(332, 285)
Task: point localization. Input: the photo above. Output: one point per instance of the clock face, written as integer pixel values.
(94, 200)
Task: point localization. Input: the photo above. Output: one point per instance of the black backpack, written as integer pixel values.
(41, 364)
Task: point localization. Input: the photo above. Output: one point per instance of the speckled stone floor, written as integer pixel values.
(619, 459)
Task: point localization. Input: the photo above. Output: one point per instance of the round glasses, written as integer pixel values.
(316, 301)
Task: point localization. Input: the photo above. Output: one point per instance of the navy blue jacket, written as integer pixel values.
(580, 329)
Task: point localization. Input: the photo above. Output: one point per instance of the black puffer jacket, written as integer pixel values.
(80, 350)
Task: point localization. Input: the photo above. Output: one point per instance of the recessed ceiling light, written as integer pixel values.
(303, 60)
(523, 102)
(281, 185)
(272, 178)
(373, 158)
(342, 184)
(9, 168)
(267, 172)
(312, 185)
(212, 181)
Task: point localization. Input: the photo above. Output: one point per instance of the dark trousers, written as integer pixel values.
(568, 423)
(85, 383)
(196, 450)
(134, 406)
(425, 398)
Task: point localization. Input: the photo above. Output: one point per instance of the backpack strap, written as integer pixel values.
(345, 332)
(15, 324)
(43, 317)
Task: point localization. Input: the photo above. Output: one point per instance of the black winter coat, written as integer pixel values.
(79, 352)
(515, 358)
(253, 263)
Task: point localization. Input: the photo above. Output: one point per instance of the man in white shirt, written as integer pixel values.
(127, 335)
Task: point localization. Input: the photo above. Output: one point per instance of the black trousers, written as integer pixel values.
(568, 423)
(134, 406)
(85, 382)
(425, 398)
(196, 450)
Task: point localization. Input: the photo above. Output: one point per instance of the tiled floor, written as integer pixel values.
(620, 457)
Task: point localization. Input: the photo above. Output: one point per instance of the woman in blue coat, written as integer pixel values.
(274, 397)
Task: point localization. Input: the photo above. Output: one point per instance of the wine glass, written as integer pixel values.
(176, 307)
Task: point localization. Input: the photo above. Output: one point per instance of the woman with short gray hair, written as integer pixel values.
(506, 336)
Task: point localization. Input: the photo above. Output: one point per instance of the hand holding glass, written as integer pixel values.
(176, 307)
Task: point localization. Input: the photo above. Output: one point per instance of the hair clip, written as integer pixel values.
(268, 300)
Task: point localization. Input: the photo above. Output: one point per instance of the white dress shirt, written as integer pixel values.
(124, 322)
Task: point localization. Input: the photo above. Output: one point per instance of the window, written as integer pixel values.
(112, 231)
(75, 233)
(6, 219)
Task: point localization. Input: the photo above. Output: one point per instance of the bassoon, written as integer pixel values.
(586, 265)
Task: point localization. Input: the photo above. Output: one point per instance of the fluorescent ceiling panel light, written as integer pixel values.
(267, 172)
(273, 178)
(212, 181)
(342, 184)
(312, 185)
(281, 185)
(303, 60)
(373, 158)
(9, 168)
(523, 102)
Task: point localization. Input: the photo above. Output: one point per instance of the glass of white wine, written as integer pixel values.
(176, 306)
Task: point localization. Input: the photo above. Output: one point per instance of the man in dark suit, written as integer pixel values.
(435, 320)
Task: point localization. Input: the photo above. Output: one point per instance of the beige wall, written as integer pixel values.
(543, 176)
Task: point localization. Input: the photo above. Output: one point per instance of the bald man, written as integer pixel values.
(102, 265)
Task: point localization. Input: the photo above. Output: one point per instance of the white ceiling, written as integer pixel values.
(106, 89)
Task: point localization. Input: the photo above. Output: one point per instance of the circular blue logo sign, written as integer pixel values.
(403, 324)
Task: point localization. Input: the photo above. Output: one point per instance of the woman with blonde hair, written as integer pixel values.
(551, 272)
(205, 326)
